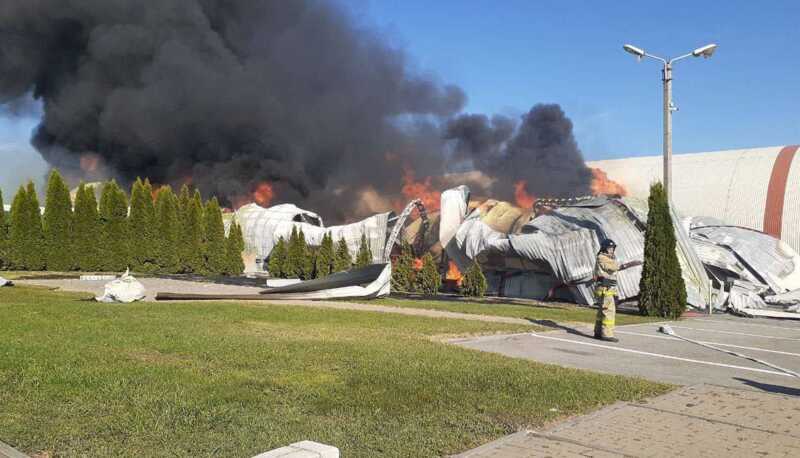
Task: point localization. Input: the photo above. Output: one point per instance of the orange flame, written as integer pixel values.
(602, 184)
(263, 194)
(453, 273)
(89, 162)
(417, 264)
(422, 190)
(521, 196)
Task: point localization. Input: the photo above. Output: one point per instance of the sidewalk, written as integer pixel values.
(700, 420)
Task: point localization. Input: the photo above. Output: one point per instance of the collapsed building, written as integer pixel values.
(737, 245)
(548, 252)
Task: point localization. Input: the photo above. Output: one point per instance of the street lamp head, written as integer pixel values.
(639, 53)
(706, 51)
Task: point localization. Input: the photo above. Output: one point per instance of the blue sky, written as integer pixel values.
(511, 54)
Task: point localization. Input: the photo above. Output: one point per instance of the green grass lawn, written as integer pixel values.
(228, 379)
(558, 312)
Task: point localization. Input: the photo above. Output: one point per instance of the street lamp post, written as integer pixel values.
(705, 52)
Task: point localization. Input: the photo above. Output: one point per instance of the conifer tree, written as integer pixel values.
(214, 241)
(4, 234)
(18, 231)
(57, 224)
(277, 260)
(141, 223)
(167, 227)
(324, 259)
(474, 282)
(184, 198)
(428, 280)
(35, 251)
(87, 230)
(403, 270)
(341, 259)
(364, 256)
(307, 259)
(234, 246)
(294, 256)
(115, 244)
(192, 258)
(662, 290)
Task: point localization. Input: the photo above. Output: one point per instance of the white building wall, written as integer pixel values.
(729, 185)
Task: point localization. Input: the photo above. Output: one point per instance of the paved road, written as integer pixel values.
(700, 420)
(644, 352)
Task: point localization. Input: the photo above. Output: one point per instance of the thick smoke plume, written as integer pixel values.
(228, 94)
(541, 152)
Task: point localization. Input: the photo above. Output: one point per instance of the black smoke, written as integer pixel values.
(234, 92)
(541, 151)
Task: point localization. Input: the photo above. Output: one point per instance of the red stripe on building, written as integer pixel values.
(773, 210)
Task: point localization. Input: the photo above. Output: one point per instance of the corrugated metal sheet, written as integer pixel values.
(262, 227)
(767, 260)
(568, 239)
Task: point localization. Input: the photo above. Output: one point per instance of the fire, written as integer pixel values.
(521, 196)
(453, 273)
(417, 264)
(89, 162)
(601, 184)
(422, 190)
(263, 194)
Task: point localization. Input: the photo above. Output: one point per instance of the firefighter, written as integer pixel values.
(605, 275)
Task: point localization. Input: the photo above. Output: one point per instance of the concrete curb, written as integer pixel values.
(7, 451)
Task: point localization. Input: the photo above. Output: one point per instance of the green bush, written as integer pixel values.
(214, 243)
(403, 270)
(142, 224)
(307, 260)
(168, 231)
(662, 290)
(114, 239)
(324, 258)
(428, 280)
(87, 230)
(234, 246)
(57, 225)
(193, 234)
(473, 283)
(341, 259)
(277, 260)
(364, 256)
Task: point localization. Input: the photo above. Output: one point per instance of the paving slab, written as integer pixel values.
(702, 420)
(644, 352)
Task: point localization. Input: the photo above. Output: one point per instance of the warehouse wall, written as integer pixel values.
(757, 188)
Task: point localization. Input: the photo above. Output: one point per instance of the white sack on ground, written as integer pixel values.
(125, 289)
(4, 282)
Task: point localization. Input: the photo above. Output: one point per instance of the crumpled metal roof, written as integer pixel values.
(263, 227)
(568, 238)
(753, 255)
